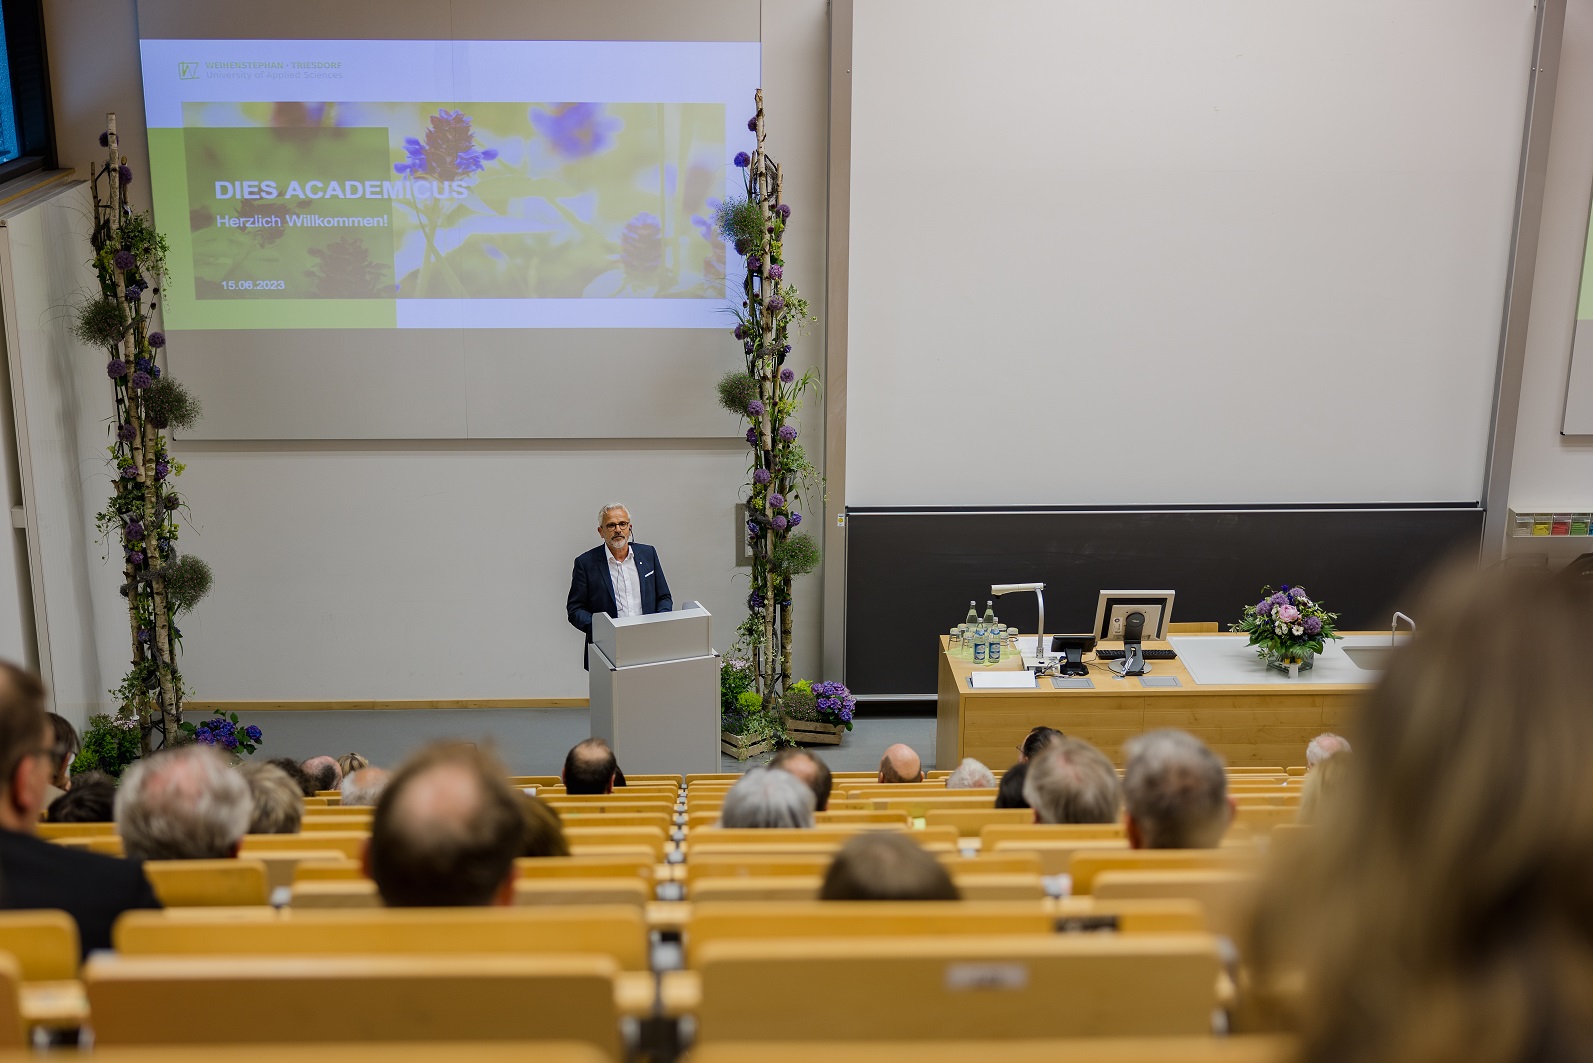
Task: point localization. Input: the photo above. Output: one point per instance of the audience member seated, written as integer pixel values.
(92, 799)
(1176, 792)
(900, 764)
(362, 787)
(1442, 910)
(1009, 792)
(349, 763)
(1325, 746)
(64, 747)
(446, 832)
(1037, 739)
(1322, 785)
(91, 888)
(1070, 781)
(971, 775)
(767, 797)
(276, 806)
(324, 772)
(182, 804)
(296, 772)
(810, 769)
(544, 829)
(589, 768)
(886, 866)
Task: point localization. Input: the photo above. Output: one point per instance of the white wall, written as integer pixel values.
(1549, 471)
(439, 570)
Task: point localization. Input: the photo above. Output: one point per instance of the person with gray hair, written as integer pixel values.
(362, 787)
(1324, 746)
(768, 797)
(277, 807)
(1176, 791)
(971, 775)
(182, 804)
(620, 577)
(1070, 781)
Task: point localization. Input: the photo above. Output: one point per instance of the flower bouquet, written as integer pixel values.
(1287, 628)
(224, 733)
(817, 713)
(744, 727)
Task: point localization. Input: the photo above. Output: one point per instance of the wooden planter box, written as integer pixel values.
(813, 733)
(742, 747)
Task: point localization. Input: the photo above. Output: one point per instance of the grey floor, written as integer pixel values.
(531, 741)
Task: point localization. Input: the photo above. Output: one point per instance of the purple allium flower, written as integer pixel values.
(788, 433)
(787, 375)
(1264, 607)
(254, 733)
(171, 502)
(739, 332)
(746, 346)
(786, 349)
(450, 149)
(116, 369)
(742, 247)
(784, 211)
(755, 602)
(575, 130)
(141, 365)
(779, 523)
(742, 159)
(777, 500)
(642, 246)
(126, 432)
(124, 173)
(796, 518)
(133, 291)
(755, 408)
(754, 262)
(134, 530)
(157, 340)
(776, 305)
(105, 139)
(777, 271)
(161, 470)
(129, 473)
(144, 634)
(136, 557)
(1296, 593)
(752, 437)
(752, 124)
(1312, 625)
(124, 260)
(760, 476)
(142, 380)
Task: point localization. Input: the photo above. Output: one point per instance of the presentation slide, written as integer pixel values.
(445, 184)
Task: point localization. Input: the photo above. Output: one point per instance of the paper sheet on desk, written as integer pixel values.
(1002, 680)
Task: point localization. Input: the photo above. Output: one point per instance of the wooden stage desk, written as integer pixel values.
(1225, 696)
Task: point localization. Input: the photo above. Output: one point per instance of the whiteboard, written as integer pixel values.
(1178, 251)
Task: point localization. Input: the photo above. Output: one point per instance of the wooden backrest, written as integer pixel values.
(13, 1028)
(339, 998)
(970, 821)
(982, 863)
(616, 931)
(52, 831)
(628, 891)
(353, 892)
(205, 883)
(1249, 1049)
(757, 888)
(730, 921)
(350, 843)
(701, 866)
(852, 817)
(1227, 897)
(355, 824)
(717, 838)
(523, 781)
(281, 867)
(658, 820)
(1056, 856)
(917, 806)
(1087, 865)
(328, 870)
(616, 866)
(999, 832)
(1077, 985)
(1265, 817)
(1161, 915)
(372, 1052)
(997, 886)
(43, 943)
(612, 803)
(652, 837)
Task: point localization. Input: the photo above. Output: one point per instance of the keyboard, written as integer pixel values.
(1149, 655)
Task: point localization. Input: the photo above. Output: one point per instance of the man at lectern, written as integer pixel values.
(620, 578)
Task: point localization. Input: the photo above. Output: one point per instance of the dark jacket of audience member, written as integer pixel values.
(296, 772)
(590, 768)
(446, 832)
(90, 800)
(544, 829)
(886, 866)
(93, 889)
(810, 769)
(1009, 791)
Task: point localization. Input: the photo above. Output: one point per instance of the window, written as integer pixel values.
(27, 132)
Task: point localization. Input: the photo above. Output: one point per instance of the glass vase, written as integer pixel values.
(1294, 663)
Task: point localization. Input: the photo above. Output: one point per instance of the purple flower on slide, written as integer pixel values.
(796, 518)
(575, 130)
(787, 375)
(124, 260)
(116, 369)
(642, 246)
(755, 408)
(788, 433)
(157, 340)
(449, 152)
(760, 476)
(742, 159)
(1312, 625)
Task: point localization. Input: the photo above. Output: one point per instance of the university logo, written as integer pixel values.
(188, 71)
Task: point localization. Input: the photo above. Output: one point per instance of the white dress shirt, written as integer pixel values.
(627, 584)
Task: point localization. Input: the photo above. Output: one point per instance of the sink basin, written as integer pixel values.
(1369, 658)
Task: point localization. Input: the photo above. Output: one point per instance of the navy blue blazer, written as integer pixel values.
(592, 589)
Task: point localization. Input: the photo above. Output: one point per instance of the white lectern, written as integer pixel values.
(655, 690)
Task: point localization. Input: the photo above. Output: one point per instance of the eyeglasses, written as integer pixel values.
(615, 525)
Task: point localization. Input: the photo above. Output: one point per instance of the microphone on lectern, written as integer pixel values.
(1133, 662)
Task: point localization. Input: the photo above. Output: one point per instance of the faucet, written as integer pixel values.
(1393, 626)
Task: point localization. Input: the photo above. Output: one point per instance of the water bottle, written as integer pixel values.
(981, 648)
(993, 636)
(968, 624)
(990, 614)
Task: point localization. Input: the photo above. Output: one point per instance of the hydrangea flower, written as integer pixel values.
(157, 340)
(755, 602)
(787, 375)
(203, 736)
(116, 369)
(123, 260)
(134, 529)
(254, 733)
(742, 159)
(754, 262)
(788, 434)
(133, 291)
(834, 701)
(144, 634)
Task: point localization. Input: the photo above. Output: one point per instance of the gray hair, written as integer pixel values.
(612, 506)
(182, 804)
(1324, 746)
(277, 804)
(363, 787)
(1176, 790)
(971, 775)
(767, 797)
(1070, 781)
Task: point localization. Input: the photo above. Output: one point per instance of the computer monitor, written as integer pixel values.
(1112, 607)
(1072, 648)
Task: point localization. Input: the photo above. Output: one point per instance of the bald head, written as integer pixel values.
(900, 764)
(589, 768)
(324, 772)
(1324, 746)
(446, 832)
